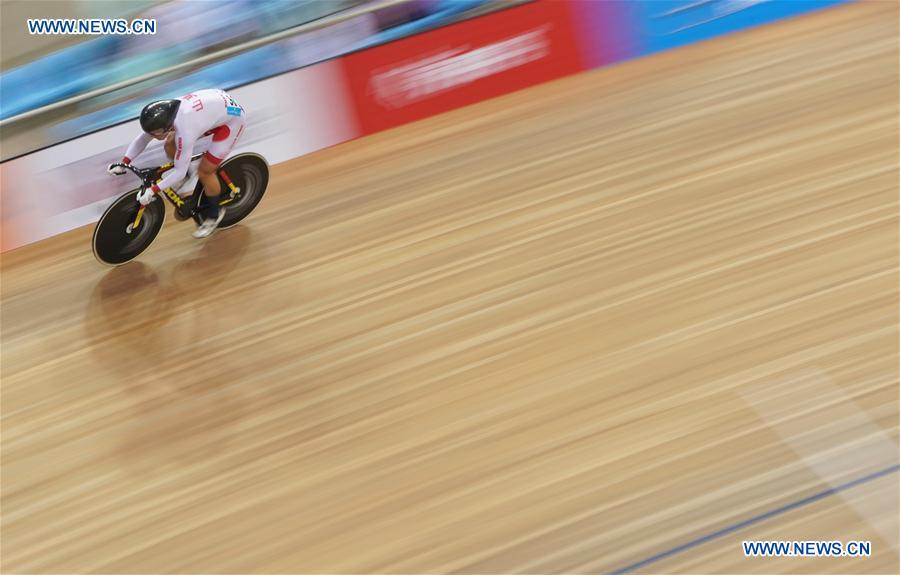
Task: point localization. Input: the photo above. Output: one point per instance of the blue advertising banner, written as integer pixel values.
(667, 24)
(615, 30)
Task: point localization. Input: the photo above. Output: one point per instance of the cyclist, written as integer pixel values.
(181, 123)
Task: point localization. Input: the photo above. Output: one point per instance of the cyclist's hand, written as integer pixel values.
(146, 196)
(115, 170)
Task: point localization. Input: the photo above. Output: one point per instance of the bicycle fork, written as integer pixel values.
(137, 218)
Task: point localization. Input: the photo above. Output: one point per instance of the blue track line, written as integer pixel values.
(756, 519)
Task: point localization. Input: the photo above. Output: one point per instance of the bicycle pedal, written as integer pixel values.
(185, 212)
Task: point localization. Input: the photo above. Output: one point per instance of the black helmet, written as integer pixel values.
(159, 115)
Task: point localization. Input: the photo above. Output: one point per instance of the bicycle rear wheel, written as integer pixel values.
(116, 240)
(250, 174)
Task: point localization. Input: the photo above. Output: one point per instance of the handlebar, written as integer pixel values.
(147, 175)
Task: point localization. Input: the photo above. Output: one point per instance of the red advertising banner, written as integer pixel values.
(461, 64)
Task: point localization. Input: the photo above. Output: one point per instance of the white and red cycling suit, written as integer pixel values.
(202, 113)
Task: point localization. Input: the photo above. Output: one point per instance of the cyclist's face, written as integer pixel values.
(159, 134)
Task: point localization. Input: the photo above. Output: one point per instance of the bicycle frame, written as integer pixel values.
(150, 176)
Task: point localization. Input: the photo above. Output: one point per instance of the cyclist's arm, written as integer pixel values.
(183, 149)
(137, 146)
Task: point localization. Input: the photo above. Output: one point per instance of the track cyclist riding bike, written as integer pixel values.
(181, 123)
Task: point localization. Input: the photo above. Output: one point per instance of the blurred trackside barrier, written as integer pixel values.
(65, 186)
(474, 60)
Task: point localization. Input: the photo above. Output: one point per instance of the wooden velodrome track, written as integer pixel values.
(591, 326)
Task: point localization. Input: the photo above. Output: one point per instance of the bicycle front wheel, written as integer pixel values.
(116, 239)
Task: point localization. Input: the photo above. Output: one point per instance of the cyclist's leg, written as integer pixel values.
(221, 146)
(218, 150)
(207, 173)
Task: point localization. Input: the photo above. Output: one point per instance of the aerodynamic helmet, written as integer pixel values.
(159, 115)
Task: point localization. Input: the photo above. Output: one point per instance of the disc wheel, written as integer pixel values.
(116, 240)
(249, 173)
